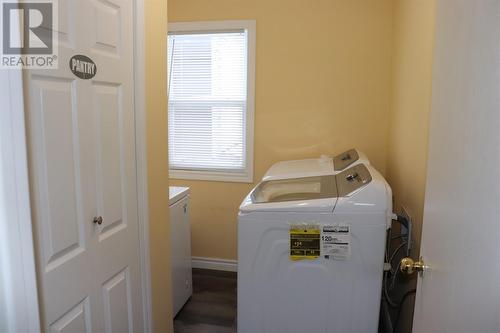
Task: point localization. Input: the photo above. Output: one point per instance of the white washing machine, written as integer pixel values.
(311, 253)
(324, 165)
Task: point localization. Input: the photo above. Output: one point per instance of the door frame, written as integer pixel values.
(18, 270)
(141, 159)
(26, 303)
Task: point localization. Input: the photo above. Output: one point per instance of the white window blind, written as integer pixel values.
(207, 101)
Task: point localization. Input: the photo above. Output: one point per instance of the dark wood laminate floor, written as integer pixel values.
(212, 307)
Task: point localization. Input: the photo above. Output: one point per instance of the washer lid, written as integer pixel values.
(318, 193)
(300, 168)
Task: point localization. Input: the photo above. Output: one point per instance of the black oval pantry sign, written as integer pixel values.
(82, 66)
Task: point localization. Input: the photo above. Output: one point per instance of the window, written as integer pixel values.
(211, 100)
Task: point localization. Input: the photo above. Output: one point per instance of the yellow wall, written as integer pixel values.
(322, 86)
(156, 103)
(413, 47)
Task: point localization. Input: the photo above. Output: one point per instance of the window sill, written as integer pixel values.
(212, 176)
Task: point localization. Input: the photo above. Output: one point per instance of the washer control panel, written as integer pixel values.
(352, 179)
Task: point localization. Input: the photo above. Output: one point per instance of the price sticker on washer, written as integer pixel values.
(336, 241)
(305, 241)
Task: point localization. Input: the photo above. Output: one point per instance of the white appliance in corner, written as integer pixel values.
(311, 253)
(180, 231)
(324, 165)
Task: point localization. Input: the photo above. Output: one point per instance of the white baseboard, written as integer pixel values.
(215, 264)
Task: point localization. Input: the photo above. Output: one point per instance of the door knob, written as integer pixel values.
(98, 220)
(408, 266)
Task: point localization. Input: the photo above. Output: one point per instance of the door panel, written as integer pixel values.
(56, 140)
(116, 242)
(109, 158)
(82, 165)
(460, 292)
(117, 303)
(66, 30)
(107, 28)
(75, 320)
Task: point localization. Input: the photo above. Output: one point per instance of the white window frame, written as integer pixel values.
(222, 26)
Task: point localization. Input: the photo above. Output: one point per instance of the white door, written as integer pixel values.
(82, 167)
(460, 293)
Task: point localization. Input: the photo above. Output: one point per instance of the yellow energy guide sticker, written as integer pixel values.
(304, 242)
